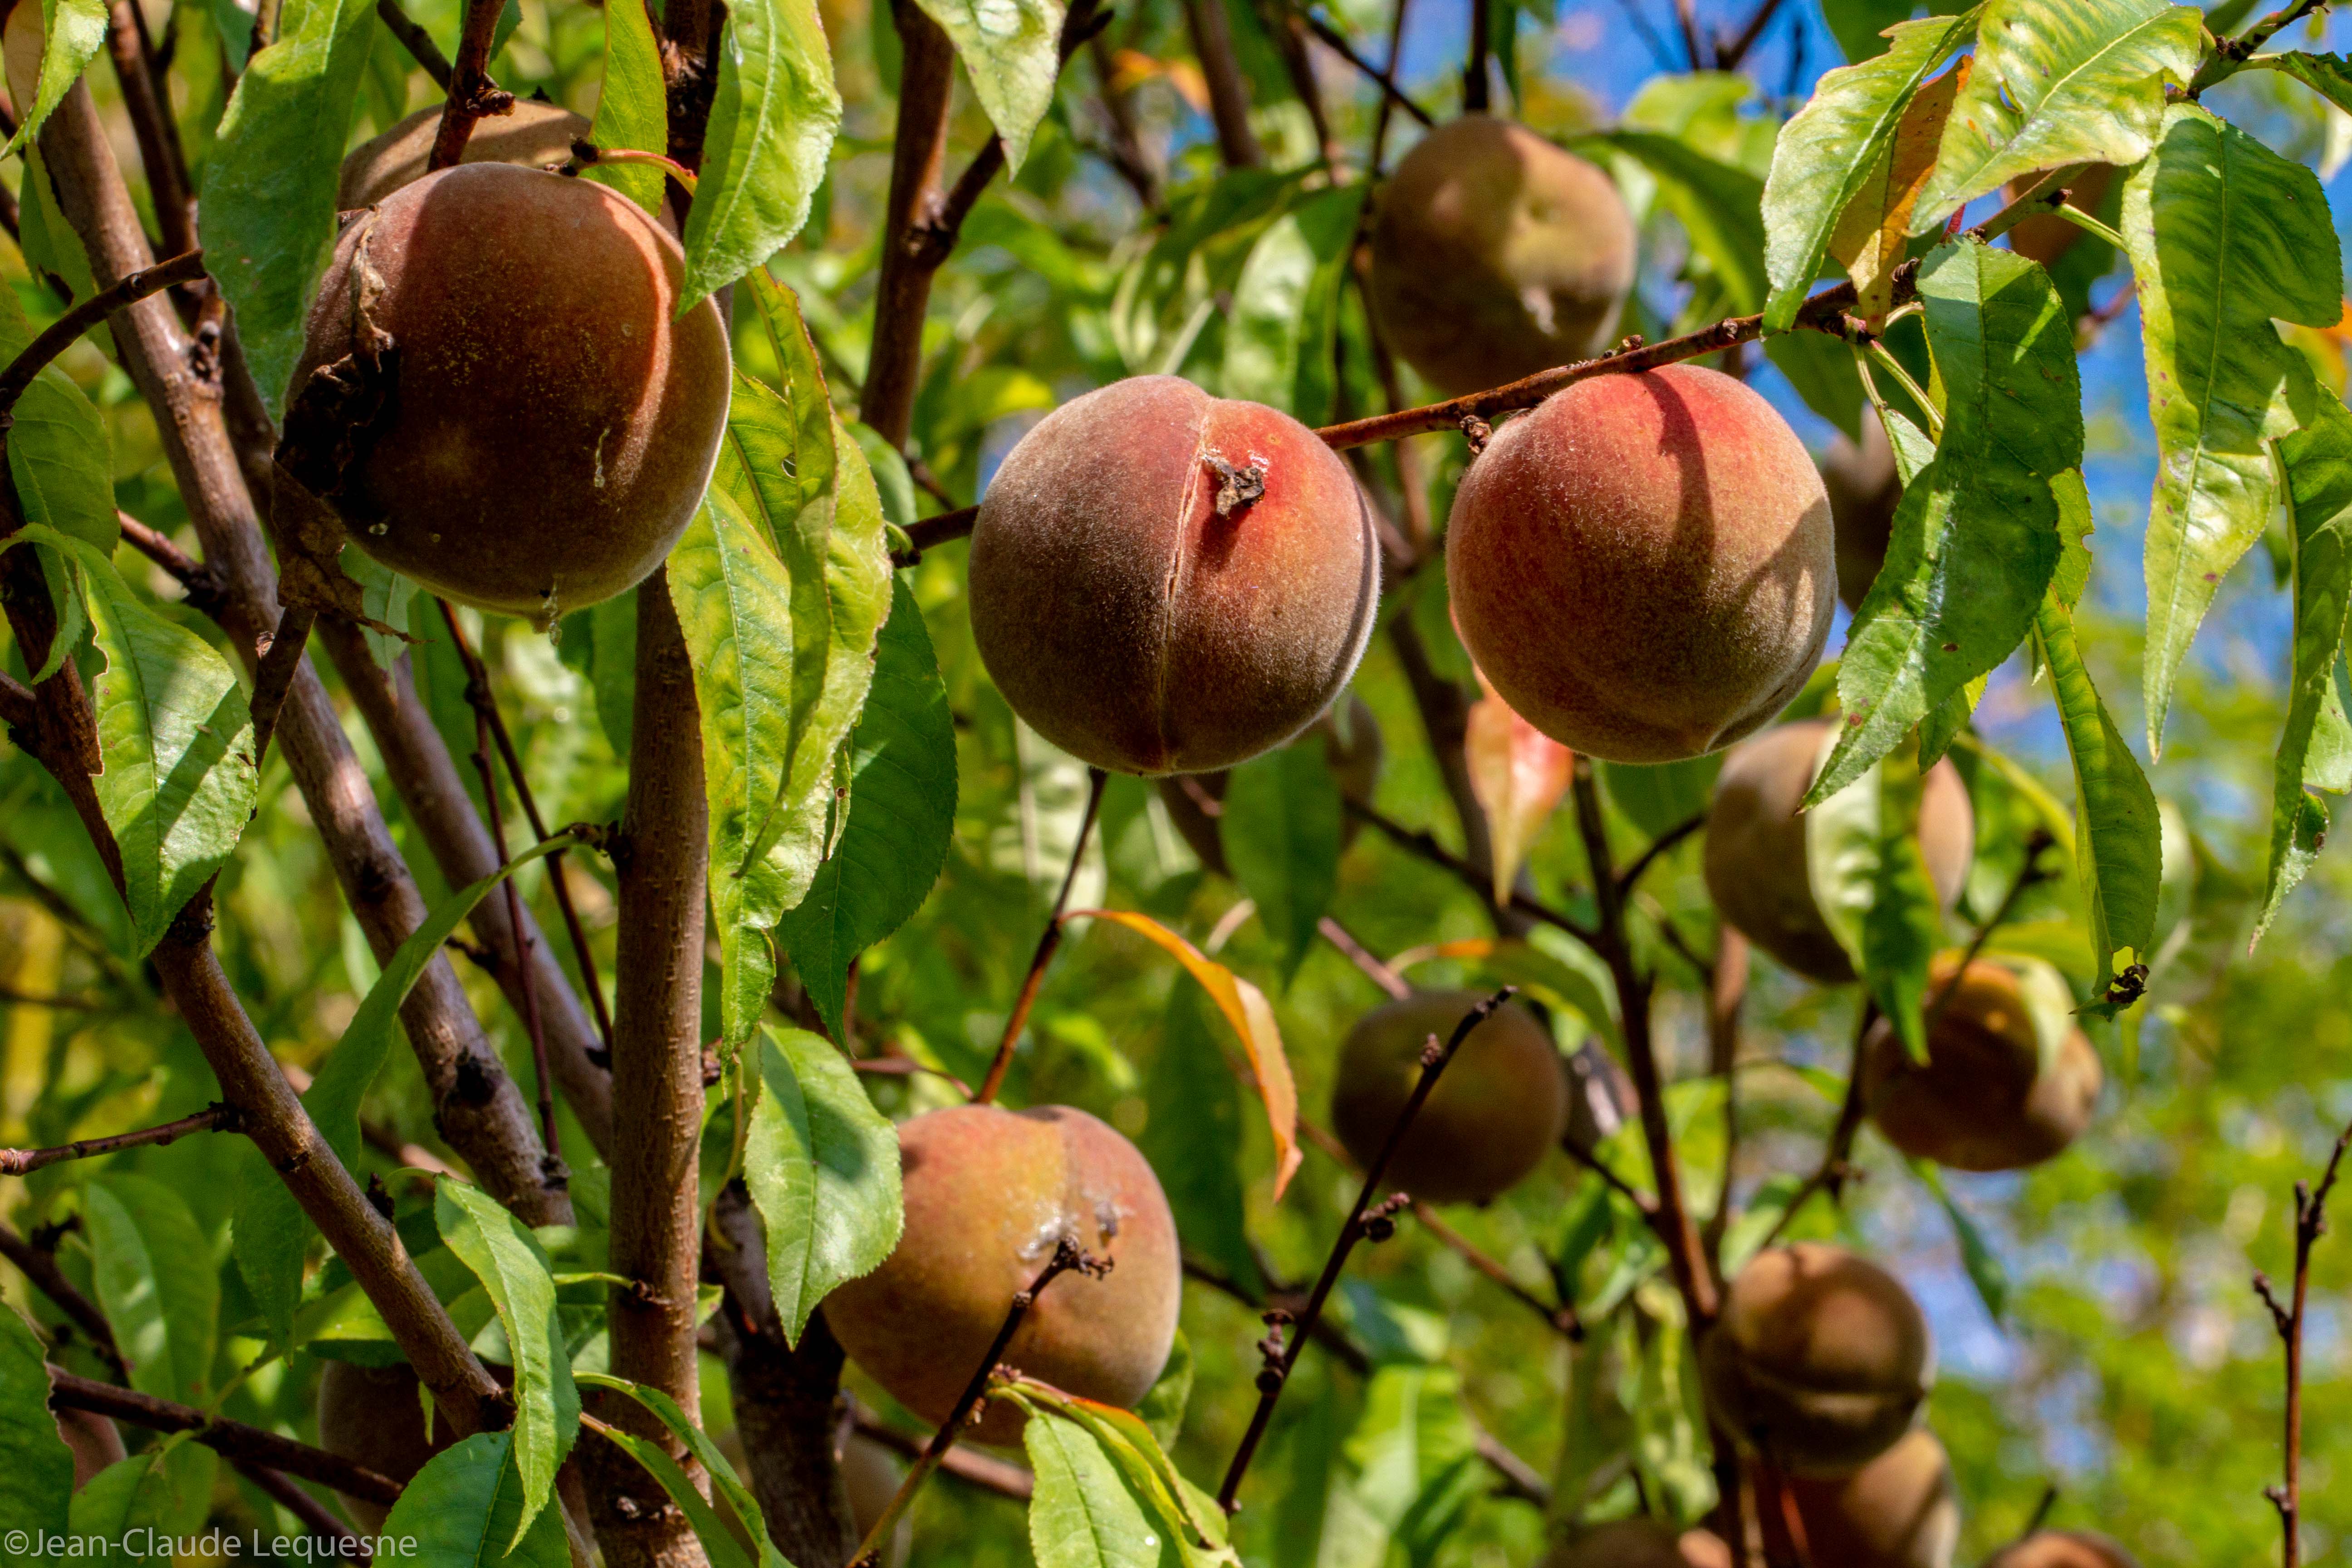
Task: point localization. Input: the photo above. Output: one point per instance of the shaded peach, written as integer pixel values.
(1642, 565)
(1900, 1510)
(535, 135)
(989, 1193)
(1494, 1114)
(1495, 254)
(95, 1440)
(2063, 1548)
(372, 1415)
(1819, 1359)
(550, 427)
(1983, 1100)
(1196, 802)
(1863, 490)
(1165, 581)
(1757, 868)
(1639, 1544)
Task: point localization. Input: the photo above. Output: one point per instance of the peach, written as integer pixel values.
(1639, 1544)
(1819, 1359)
(989, 1194)
(1900, 1510)
(1983, 1100)
(2063, 1548)
(1196, 802)
(1495, 254)
(1494, 1114)
(535, 135)
(1755, 860)
(1644, 565)
(1164, 582)
(543, 428)
(1863, 490)
(372, 1416)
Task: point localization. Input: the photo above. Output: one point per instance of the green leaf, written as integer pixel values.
(1985, 1271)
(2115, 810)
(156, 1279)
(1975, 538)
(633, 108)
(2318, 464)
(613, 666)
(1827, 151)
(1193, 1140)
(2330, 76)
(1720, 206)
(514, 1271)
(58, 453)
(2224, 236)
(1281, 831)
(771, 126)
(50, 244)
(902, 801)
(1657, 798)
(731, 1489)
(822, 1167)
(144, 1492)
(466, 1501)
(270, 1233)
(1409, 1447)
(72, 32)
(1161, 1407)
(175, 738)
(1010, 51)
(1085, 1513)
(718, 1543)
(1861, 25)
(1285, 306)
(2058, 82)
(384, 595)
(270, 184)
(1903, 923)
(36, 1469)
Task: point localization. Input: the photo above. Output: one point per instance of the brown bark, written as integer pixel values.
(663, 858)
(903, 292)
(476, 1107)
(1212, 41)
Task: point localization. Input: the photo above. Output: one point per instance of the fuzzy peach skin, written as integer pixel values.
(989, 1193)
(1643, 564)
(1128, 621)
(1495, 254)
(1819, 1360)
(552, 428)
(1494, 1113)
(1900, 1510)
(1756, 870)
(535, 135)
(2063, 1548)
(1982, 1101)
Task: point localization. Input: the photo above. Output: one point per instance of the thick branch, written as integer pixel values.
(1229, 96)
(476, 1105)
(147, 104)
(230, 1439)
(903, 291)
(472, 94)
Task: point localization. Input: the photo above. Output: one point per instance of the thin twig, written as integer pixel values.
(1366, 1221)
(1424, 845)
(1693, 1278)
(19, 708)
(1002, 1477)
(280, 1489)
(16, 998)
(1837, 1155)
(1067, 1256)
(1687, 18)
(925, 532)
(39, 1266)
(1658, 846)
(1380, 120)
(2029, 872)
(1363, 958)
(216, 1118)
(1726, 996)
(1475, 89)
(1727, 55)
(1593, 1162)
(416, 41)
(1337, 42)
(2230, 55)
(2310, 1224)
(901, 1067)
(1047, 940)
(67, 330)
(472, 94)
(281, 655)
(230, 1439)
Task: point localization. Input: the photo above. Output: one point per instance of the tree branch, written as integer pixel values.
(214, 1118)
(1476, 70)
(1337, 42)
(2310, 1224)
(472, 94)
(1047, 940)
(1424, 845)
(1229, 94)
(416, 41)
(146, 103)
(232, 1440)
(322, 1523)
(67, 330)
(1001, 1477)
(902, 290)
(1832, 1174)
(39, 1266)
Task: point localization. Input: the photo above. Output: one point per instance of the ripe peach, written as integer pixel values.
(1819, 1359)
(1863, 489)
(1900, 1510)
(372, 1416)
(1494, 1114)
(989, 1193)
(1495, 254)
(1756, 865)
(1355, 764)
(2063, 1548)
(549, 427)
(1166, 582)
(1641, 1543)
(535, 135)
(1642, 565)
(1983, 1102)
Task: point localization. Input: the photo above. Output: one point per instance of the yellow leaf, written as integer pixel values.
(1871, 233)
(1252, 1016)
(1518, 775)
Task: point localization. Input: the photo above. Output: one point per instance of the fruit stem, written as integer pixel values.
(1361, 1218)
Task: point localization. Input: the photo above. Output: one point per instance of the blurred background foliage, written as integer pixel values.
(2104, 1342)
